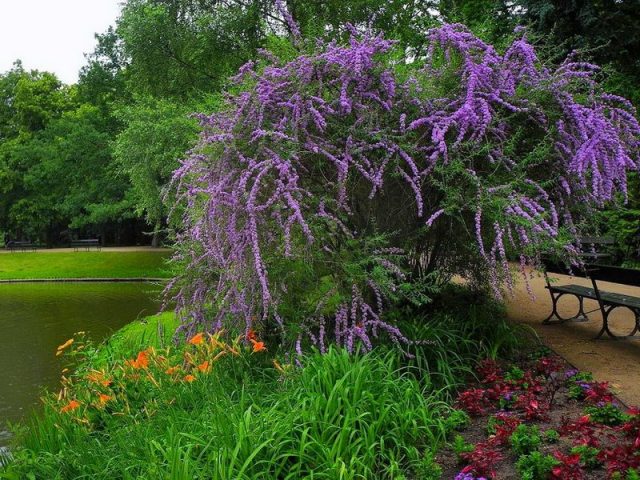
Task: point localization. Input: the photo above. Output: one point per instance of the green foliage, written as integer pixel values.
(535, 466)
(156, 135)
(607, 414)
(588, 27)
(184, 47)
(449, 341)
(460, 446)
(378, 415)
(514, 374)
(525, 439)
(427, 468)
(458, 420)
(623, 223)
(576, 392)
(55, 160)
(631, 474)
(588, 456)
(551, 436)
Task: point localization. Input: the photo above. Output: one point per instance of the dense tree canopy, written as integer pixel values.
(162, 60)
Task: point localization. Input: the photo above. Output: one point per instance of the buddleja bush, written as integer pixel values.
(335, 183)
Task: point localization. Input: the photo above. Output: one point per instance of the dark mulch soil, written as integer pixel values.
(563, 409)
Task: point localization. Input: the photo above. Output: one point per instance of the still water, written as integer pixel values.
(36, 318)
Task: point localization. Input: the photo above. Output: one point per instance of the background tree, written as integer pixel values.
(156, 134)
(604, 31)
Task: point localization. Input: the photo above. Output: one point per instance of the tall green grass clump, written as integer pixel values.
(452, 333)
(203, 411)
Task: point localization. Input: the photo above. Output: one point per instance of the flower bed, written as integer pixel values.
(541, 420)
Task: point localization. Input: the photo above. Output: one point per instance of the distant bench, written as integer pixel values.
(86, 243)
(22, 246)
(607, 301)
(591, 248)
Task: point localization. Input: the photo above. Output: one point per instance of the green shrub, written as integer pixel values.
(551, 436)
(457, 420)
(535, 466)
(607, 414)
(460, 446)
(588, 456)
(514, 374)
(427, 468)
(633, 474)
(525, 439)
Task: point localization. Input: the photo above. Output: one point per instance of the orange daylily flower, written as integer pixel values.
(172, 370)
(197, 339)
(142, 361)
(189, 378)
(102, 398)
(204, 366)
(72, 405)
(62, 347)
(258, 346)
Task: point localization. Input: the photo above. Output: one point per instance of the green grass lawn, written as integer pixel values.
(84, 265)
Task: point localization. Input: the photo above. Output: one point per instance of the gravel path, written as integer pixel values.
(616, 361)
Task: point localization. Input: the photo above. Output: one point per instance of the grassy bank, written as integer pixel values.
(218, 408)
(146, 264)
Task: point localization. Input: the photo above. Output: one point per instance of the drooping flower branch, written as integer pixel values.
(313, 156)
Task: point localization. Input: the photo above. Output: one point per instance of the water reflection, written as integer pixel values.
(36, 318)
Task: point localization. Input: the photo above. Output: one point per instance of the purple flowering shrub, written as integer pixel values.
(346, 179)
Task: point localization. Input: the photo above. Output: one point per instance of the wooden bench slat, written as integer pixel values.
(629, 301)
(596, 240)
(575, 290)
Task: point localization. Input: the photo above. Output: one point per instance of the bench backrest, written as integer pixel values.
(607, 273)
(596, 241)
(554, 266)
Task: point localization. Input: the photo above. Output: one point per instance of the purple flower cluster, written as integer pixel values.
(282, 168)
(468, 476)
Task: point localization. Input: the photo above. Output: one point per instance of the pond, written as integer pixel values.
(37, 317)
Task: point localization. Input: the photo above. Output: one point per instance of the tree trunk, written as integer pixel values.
(155, 240)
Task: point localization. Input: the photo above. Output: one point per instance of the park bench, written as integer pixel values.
(86, 243)
(592, 248)
(607, 301)
(23, 246)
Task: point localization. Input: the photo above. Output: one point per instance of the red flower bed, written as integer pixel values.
(543, 421)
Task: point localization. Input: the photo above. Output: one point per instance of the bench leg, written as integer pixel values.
(605, 324)
(581, 316)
